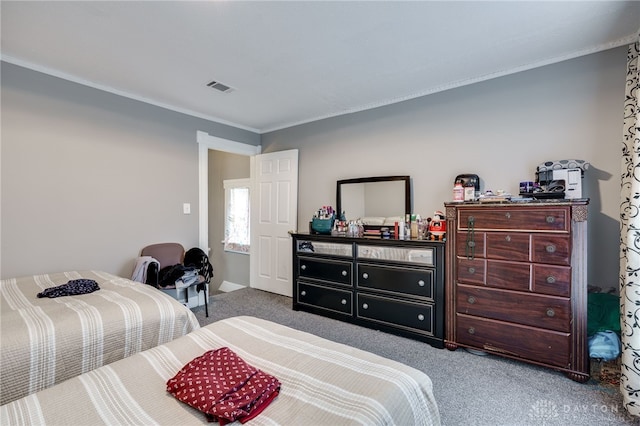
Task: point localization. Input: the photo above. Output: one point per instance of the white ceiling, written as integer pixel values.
(294, 62)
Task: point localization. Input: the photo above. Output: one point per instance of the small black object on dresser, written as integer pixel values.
(396, 286)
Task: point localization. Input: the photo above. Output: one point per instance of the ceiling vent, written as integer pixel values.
(220, 87)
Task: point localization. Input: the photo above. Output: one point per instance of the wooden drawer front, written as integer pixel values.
(415, 282)
(556, 219)
(471, 271)
(555, 280)
(470, 244)
(326, 270)
(549, 312)
(545, 346)
(508, 246)
(552, 249)
(331, 299)
(511, 275)
(396, 313)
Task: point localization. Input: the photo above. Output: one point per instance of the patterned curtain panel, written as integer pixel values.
(630, 239)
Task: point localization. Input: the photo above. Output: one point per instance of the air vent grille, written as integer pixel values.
(220, 87)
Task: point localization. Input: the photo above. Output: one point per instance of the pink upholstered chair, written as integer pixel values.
(167, 254)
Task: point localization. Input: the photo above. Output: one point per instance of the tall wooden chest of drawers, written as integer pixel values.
(396, 286)
(516, 281)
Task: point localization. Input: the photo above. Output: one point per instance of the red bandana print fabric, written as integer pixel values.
(224, 387)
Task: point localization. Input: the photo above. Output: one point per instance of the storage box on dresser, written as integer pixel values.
(516, 282)
(396, 286)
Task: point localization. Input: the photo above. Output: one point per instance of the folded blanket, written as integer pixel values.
(224, 387)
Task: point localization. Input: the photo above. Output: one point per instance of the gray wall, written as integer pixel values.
(500, 129)
(88, 178)
(227, 266)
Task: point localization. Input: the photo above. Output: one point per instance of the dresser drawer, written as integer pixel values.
(554, 249)
(544, 346)
(511, 275)
(553, 313)
(555, 219)
(508, 246)
(471, 270)
(325, 269)
(554, 280)
(318, 247)
(330, 299)
(470, 244)
(405, 281)
(423, 256)
(416, 317)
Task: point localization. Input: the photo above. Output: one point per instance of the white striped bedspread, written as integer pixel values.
(44, 341)
(323, 383)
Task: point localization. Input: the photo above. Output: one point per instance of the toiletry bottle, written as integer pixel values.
(458, 191)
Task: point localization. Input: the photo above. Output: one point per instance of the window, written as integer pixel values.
(236, 213)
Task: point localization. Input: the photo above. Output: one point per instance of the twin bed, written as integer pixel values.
(323, 382)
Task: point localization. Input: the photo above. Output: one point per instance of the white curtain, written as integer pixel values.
(630, 239)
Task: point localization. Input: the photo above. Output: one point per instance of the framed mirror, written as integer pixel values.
(374, 197)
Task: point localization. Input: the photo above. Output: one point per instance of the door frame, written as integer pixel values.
(205, 143)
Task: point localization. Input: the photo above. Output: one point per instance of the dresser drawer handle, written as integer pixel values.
(344, 273)
(421, 283)
(365, 306)
(303, 293)
(343, 301)
(420, 317)
(508, 238)
(551, 312)
(551, 219)
(507, 215)
(303, 267)
(472, 270)
(472, 330)
(551, 248)
(471, 300)
(365, 275)
(551, 279)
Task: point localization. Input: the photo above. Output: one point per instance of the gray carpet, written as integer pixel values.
(470, 389)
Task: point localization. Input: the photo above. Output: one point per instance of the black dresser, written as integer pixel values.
(396, 286)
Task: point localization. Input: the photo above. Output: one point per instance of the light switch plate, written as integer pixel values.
(186, 208)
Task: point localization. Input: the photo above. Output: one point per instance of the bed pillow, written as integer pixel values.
(224, 387)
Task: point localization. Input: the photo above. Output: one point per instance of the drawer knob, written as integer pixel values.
(303, 293)
(472, 330)
(507, 238)
(365, 275)
(303, 267)
(421, 283)
(420, 317)
(365, 306)
(344, 273)
(551, 219)
(472, 270)
(551, 312)
(507, 215)
(471, 244)
(551, 279)
(471, 300)
(551, 248)
(343, 301)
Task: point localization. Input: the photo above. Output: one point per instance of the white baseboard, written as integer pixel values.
(227, 286)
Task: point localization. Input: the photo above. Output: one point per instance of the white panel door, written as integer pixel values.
(274, 212)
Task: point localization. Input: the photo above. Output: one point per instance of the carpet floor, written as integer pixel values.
(470, 389)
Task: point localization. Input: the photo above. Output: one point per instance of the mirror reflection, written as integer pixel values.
(374, 197)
